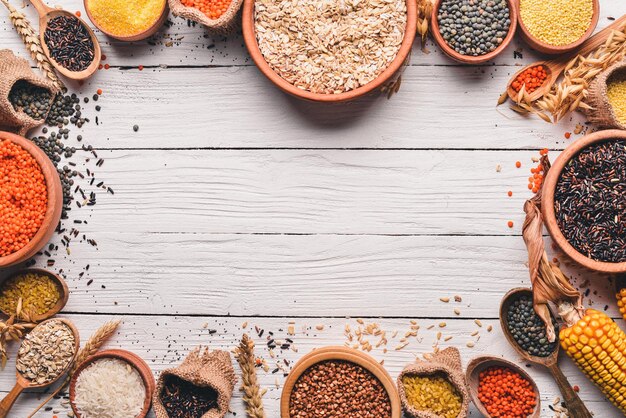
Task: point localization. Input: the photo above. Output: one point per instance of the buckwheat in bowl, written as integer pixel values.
(329, 50)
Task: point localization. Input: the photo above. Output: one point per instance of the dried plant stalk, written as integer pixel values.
(250, 387)
(31, 40)
(424, 13)
(571, 92)
(91, 347)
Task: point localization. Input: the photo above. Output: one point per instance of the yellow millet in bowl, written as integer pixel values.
(125, 18)
(616, 94)
(556, 22)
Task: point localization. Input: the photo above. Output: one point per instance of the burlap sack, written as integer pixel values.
(206, 369)
(447, 362)
(13, 69)
(221, 26)
(602, 113)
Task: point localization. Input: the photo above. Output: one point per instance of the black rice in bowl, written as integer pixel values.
(590, 201)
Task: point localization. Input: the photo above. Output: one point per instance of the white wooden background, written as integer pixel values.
(235, 203)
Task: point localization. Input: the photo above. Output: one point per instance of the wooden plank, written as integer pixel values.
(439, 192)
(300, 275)
(193, 46)
(164, 341)
(238, 108)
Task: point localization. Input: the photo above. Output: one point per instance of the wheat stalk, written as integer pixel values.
(252, 394)
(31, 40)
(90, 348)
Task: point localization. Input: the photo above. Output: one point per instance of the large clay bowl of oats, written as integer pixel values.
(329, 50)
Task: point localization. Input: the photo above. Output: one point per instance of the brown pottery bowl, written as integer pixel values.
(477, 365)
(60, 283)
(468, 59)
(545, 48)
(249, 36)
(547, 201)
(131, 358)
(138, 36)
(55, 203)
(340, 354)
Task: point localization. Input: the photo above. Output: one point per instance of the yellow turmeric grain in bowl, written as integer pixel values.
(125, 18)
(556, 22)
(616, 94)
(432, 393)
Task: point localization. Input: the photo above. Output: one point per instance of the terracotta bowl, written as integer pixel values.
(340, 354)
(134, 360)
(137, 37)
(55, 203)
(479, 364)
(547, 201)
(249, 36)
(60, 283)
(468, 59)
(551, 49)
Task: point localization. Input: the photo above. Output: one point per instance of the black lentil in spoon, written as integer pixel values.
(474, 27)
(528, 329)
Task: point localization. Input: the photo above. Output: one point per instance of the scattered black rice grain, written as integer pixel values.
(590, 201)
(69, 43)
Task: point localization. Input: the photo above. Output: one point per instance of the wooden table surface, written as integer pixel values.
(236, 204)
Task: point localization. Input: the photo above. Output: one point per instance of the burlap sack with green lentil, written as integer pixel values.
(446, 363)
(12, 70)
(203, 368)
(223, 25)
(601, 112)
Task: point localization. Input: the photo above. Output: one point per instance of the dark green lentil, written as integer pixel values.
(135, 128)
(33, 100)
(474, 27)
(528, 329)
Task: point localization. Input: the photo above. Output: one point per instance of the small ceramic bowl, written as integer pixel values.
(340, 354)
(546, 48)
(131, 358)
(468, 59)
(477, 365)
(138, 36)
(249, 36)
(547, 201)
(60, 283)
(55, 203)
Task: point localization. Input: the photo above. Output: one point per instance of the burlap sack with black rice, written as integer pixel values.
(204, 368)
(602, 113)
(12, 70)
(446, 362)
(225, 24)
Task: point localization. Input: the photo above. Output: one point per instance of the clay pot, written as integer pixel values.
(468, 59)
(55, 203)
(249, 36)
(547, 201)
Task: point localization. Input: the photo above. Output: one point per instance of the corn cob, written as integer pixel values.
(598, 347)
(621, 302)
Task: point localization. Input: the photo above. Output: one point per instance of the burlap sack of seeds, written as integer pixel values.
(223, 25)
(12, 70)
(602, 113)
(446, 362)
(203, 368)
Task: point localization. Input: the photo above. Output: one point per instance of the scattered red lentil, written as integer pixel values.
(78, 13)
(532, 78)
(568, 135)
(213, 9)
(505, 393)
(100, 66)
(23, 197)
(576, 388)
(107, 66)
(104, 57)
(99, 91)
(510, 223)
(510, 193)
(141, 68)
(518, 164)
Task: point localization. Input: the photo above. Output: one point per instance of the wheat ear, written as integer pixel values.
(90, 348)
(31, 40)
(252, 394)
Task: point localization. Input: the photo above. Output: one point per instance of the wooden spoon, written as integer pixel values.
(23, 383)
(555, 67)
(575, 405)
(45, 15)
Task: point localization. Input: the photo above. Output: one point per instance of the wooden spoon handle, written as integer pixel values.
(41, 8)
(9, 400)
(574, 404)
